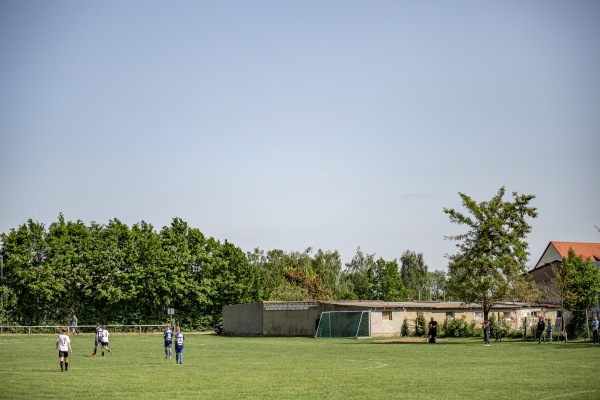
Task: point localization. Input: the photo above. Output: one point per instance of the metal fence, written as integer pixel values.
(50, 329)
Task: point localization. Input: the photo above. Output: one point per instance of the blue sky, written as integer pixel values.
(295, 124)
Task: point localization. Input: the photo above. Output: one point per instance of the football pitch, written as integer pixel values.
(221, 367)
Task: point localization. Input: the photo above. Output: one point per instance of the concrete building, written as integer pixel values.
(298, 318)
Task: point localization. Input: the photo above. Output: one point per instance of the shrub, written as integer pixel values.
(405, 328)
(421, 327)
(455, 327)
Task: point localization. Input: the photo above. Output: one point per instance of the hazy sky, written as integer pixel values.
(295, 124)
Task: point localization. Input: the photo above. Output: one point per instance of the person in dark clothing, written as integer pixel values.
(541, 329)
(433, 328)
(486, 333)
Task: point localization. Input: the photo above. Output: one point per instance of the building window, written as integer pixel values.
(478, 315)
(386, 315)
(449, 315)
(534, 313)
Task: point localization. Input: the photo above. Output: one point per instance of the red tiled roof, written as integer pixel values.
(585, 250)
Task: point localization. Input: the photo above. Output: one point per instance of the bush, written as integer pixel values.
(405, 328)
(421, 328)
(455, 327)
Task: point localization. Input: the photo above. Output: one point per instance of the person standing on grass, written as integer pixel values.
(595, 327)
(74, 324)
(178, 346)
(433, 328)
(97, 338)
(63, 345)
(486, 333)
(541, 327)
(168, 336)
(105, 336)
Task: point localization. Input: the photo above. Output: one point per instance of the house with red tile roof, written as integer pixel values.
(543, 271)
(556, 251)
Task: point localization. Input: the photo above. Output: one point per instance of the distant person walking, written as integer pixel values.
(178, 346)
(74, 324)
(97, 338)
(486, 333)
(432, 332)
(541, 328)
(595, 327)
(105, 335)
(168, 336)
(63, 345)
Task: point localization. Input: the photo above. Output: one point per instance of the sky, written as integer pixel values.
(293, 124)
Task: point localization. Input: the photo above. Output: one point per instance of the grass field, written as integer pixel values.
(220, 367)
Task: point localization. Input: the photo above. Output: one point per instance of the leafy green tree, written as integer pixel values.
(27, 275)
(582, 285)
(490, 262)
(387, 281)
(359, 273)
(328, 266)
(414, 274)
(436, 285)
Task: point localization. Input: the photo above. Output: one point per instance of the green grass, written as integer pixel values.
(218, 367)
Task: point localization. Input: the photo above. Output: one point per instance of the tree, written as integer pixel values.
(581, 280)
(436, 285)
(414, 273)
(491, 257)
(387, 282)
(358, 273)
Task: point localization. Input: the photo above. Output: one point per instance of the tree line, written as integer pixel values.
(118, 274)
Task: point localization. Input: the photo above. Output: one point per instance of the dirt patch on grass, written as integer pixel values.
(406, 340)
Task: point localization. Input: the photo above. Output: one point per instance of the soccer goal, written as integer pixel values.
(344, 324)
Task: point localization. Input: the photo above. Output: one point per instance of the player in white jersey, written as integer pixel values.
(63, 345)
(104, 338)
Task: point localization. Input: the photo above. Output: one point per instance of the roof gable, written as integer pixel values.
(556, 251)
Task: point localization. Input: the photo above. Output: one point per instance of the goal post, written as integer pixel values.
(344, 324)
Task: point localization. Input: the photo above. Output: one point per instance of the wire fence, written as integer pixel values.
(85, 329)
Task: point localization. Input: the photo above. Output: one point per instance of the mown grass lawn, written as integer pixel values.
(220, 367)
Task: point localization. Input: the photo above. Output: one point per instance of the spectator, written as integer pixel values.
(541, 328)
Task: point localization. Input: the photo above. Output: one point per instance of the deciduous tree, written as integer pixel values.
(492, 253)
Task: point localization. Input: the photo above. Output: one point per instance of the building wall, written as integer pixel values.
(290, 318)
(382, 326)
(243, 319)
(298, 318)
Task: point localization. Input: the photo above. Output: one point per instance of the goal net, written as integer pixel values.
(344, 324)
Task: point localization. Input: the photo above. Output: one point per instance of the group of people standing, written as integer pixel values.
(179, 338)
(101, 335)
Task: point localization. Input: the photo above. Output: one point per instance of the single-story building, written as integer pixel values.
(281, 318)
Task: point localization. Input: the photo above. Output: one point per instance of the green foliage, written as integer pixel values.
(458, 327)
(414, 274)
(501, 325)
(115, 274)
(405, 328)
(420, 326)
(386, 281)
(491, 257)
(580, 284)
